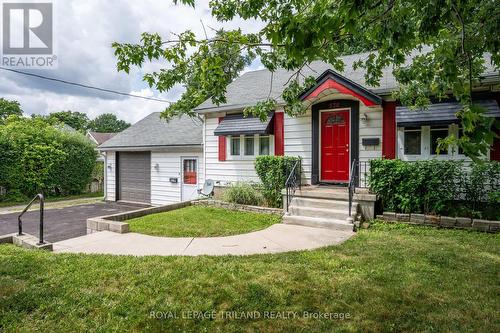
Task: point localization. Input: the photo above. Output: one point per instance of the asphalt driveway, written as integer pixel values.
(62, 223)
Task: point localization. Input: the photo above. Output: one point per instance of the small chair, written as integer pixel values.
(208, 188)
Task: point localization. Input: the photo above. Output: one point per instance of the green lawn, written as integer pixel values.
(388, 278)
(201, 221)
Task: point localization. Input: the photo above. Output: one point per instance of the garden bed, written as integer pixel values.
(201, 221)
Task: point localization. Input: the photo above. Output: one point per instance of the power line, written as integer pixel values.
(84, 85)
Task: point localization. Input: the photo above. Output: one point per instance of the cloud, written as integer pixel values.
(84, 31)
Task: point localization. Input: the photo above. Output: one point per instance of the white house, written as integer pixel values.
(347, 121)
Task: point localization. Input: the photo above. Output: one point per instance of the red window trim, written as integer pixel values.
(279, 134)
(389, 130)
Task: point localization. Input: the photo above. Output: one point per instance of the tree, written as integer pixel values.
(457, 35)
(109, 123)
(9, 108)
(77, 120)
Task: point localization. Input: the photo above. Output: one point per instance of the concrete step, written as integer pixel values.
(317, 222)
(321, 203)
(333, 194)
(338, 214)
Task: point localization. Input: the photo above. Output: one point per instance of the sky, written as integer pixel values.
(83, 33)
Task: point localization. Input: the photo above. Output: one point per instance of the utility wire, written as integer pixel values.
(84, 85)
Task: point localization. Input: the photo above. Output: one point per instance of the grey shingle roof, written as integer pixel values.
(254, 86)
(100, 137)
(237, 124)
(154, 131)
(439, 113)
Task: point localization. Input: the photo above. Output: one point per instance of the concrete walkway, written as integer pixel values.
(277, 238)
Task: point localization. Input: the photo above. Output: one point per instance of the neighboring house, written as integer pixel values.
(346, 121)
(154, 161)
(98, 139)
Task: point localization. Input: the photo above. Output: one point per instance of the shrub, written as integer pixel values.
(438, 187)
(243, 193)
(273, 171)
(36, 157)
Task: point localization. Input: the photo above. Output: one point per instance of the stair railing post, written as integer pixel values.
(41, 218)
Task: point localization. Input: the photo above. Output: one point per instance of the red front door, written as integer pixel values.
(335, 146)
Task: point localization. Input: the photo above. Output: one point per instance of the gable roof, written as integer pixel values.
(255, 86)
(99, 138)
(330, 79)
(154, 131)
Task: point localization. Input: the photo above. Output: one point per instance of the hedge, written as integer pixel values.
(36, 157)
(273, 171)
(437, 187)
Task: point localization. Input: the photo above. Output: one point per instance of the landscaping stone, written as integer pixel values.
(119, 227)
(403, 217)
(448, 221)
(443, 221)
(432, 219)
(463, 222)
(481, 225)
(417, 218)
(238, 207)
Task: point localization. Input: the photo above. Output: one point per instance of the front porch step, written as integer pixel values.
(317, 222)
(321, 203)
(337, 214)
(341, 194)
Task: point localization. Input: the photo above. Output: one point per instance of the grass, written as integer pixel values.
(388, 278)
(53, 199)
(201, 221)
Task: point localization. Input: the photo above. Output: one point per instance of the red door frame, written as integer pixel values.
(348, 112)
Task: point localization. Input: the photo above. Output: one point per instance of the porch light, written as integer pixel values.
(364, 118)
(109, 166)
(157, 167)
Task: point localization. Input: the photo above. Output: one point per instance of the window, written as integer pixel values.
(249, 145)
(264, 145)
(412, 139)
(189, 169)
(235, 145)
(436, 134)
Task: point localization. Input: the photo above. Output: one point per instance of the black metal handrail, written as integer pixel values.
(292, 182)
(20, 222)
(352, 183)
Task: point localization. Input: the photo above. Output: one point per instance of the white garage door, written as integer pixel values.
(134, 176)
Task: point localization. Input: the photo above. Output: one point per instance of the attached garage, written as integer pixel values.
(134, 176)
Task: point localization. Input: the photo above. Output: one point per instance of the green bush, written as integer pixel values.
(244, 194)
(436, 187)
(36, 157)
(273, 171)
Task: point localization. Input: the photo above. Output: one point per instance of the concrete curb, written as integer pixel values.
(114, 222)
(26, 241)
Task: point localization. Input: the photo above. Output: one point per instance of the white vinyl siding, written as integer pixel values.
(110, 169)
(298, 141)
(231, 170)
(169, 166)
